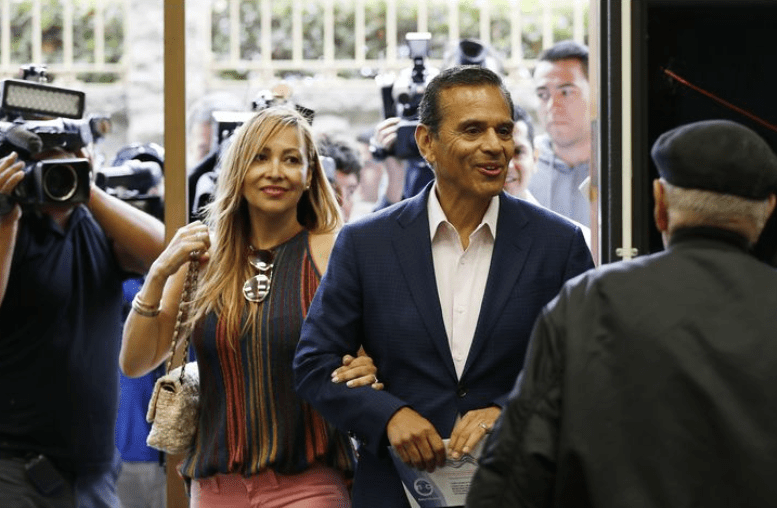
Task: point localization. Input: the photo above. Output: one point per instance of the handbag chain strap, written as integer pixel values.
(190, 284)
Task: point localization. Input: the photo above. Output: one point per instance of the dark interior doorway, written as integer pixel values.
(726, 47)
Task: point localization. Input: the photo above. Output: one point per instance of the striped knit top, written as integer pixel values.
(250, 416)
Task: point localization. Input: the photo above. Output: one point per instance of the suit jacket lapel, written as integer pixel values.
(413, 247)
(511, 249)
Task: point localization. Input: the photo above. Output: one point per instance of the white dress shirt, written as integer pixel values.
(461, 274)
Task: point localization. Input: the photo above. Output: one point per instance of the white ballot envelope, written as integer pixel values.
(446, 486)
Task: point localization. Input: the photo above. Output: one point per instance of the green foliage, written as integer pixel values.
(281, 32)
(220, 29)
(282, 12)
(312, 30)
(51, 31)
(21, 32)
(345, 41)
(104, 78)
(234, 75)
(83, 37)
(114, 33)
(375, 27)
(53, 36)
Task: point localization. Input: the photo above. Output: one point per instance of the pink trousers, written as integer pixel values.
(318, 487)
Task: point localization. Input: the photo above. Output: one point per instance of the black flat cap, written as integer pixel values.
(717, 155)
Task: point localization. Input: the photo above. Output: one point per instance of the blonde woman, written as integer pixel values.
(263, 247)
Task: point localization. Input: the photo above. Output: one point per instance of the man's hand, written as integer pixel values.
(357, 371)
(10, 175)
(386, 133)
(416, 440)
(471, 429)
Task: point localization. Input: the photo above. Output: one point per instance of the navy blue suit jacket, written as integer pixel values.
(379, 292)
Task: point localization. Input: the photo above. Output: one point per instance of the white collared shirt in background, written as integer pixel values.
(461, 275)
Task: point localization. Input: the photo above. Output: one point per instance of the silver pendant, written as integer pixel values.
(257, 288)
(261, 259)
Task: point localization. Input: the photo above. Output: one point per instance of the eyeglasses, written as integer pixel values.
(257, 287)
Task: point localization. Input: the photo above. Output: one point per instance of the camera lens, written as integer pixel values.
(60, 182)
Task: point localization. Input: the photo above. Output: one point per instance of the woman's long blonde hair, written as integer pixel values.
(221, 280)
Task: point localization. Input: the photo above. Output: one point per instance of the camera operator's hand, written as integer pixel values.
(10, 175)
(382, 146)
(138, 237)
(386, 133)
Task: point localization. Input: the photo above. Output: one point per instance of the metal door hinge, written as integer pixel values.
(621, 252)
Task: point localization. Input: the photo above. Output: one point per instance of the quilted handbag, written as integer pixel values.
(174, 406)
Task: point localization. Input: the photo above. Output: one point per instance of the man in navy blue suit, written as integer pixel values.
(441, 290)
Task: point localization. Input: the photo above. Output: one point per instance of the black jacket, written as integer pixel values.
(649, 383)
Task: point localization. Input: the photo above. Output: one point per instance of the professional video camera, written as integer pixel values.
(135, 171)
(136, 176)
(473, 52)
(402, 97)
(227, 122)
(36, 118)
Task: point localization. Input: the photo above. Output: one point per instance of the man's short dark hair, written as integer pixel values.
(346, 156)
(567, 50)
(521, 115)
(429, 112)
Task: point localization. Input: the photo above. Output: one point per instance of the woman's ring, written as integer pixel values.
(485, 427)
(376, 379)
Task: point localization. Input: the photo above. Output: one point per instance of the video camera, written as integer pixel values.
(136, 176)
(402, 97)
(227, 122)
(36, 118)
(473, 52)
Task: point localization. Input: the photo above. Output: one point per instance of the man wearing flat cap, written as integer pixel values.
(651, 382)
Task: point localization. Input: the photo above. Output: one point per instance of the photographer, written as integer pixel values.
(347, 170)
(61, 272)
(136, 176)
(394, 139)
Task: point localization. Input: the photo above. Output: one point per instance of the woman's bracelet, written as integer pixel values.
(145, 309)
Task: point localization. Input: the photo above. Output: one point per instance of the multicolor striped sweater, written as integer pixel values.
(250, 416)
